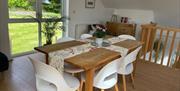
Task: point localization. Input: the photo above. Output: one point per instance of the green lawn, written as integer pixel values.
(14, 13)
(24, 36)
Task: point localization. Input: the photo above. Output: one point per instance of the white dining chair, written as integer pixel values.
(41, 56)
(126, 66)
(107, 76)
(85, 36)
(38, 56)
(49, 79)
(127, 37)
(64, 39)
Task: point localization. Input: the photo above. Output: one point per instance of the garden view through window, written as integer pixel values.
(27, 21)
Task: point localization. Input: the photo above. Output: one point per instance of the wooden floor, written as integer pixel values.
(149, 77)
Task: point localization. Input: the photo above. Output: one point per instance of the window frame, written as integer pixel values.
(38, 12)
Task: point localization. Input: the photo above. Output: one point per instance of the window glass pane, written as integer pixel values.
(22, 8)
(57, 35)
(23, 37)
(51, 8)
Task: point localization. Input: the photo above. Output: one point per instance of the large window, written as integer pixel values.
(26, 23)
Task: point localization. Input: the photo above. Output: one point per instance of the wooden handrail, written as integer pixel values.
(168, 29)
(164, 49)
(151, 49)
(159, 43)
(171, 49)
(147, 42)
(148, 35)
(178, 53)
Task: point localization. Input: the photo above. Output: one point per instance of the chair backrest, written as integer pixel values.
(131, 57)
(85, 36)
(108, 70)
(64, 39)
(127, 37)
(49, 74)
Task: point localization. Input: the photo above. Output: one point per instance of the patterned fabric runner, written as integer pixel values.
(115, 40)
(121, 50)
(56, 58)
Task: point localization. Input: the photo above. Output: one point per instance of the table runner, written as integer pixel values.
(114, 40)
(56, 58)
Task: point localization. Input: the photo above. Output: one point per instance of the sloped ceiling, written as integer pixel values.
(123, 3)
(141, 4)
(167, 12)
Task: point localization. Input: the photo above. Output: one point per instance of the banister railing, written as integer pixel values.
(161, 45)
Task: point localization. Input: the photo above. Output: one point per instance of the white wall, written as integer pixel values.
(81, 15)
(136, 16)
(4, 36)
(166, 12)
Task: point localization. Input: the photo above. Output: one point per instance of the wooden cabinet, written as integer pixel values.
(116, 29)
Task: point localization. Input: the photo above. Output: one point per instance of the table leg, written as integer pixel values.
(134, 67)
(47, 57)
(89, 80)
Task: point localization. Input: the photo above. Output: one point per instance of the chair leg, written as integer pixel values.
(81, 85)
(116, 87)
(132, 78)
(124, 82)
(134, 67)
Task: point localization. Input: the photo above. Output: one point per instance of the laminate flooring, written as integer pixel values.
(148, 77)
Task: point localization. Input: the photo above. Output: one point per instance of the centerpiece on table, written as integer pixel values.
(50, 28)
(49, 31)
(100, 33)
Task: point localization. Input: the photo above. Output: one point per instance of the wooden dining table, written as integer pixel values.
(58, 46)
(92, 60)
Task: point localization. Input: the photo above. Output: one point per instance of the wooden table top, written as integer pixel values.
(129, 44)
(58, 46)
(96, 58)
